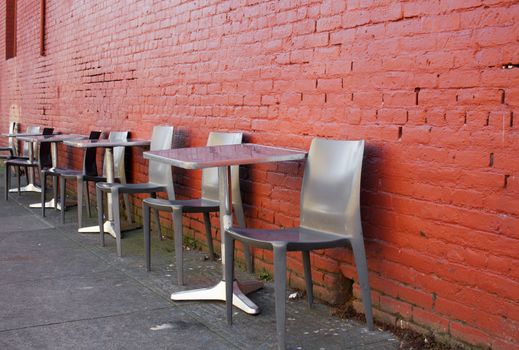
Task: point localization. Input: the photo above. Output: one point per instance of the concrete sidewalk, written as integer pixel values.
(60, 289)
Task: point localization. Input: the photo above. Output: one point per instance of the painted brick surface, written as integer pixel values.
(422, 81)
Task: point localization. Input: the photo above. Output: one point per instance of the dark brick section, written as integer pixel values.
(432, 85)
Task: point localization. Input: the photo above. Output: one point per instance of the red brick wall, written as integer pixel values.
(422, 81)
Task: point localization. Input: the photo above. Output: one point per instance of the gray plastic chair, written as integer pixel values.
(330, 217)
(42, 160)
(89, 174)
(160, 180)
(11, 146)
(207, 204)
(89, 167)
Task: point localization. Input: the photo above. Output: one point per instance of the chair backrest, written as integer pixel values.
(331, 187)
(13, 128)
(29, 130)
(90, 158)
(160, 173)
(210, 175)
(45, 156)
(118, 153)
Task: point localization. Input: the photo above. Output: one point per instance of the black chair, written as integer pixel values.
(43, 161)
(89, 167)
(91, 175)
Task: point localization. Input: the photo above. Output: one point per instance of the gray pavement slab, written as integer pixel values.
(53, 300)
(165, 328)
(62, 290)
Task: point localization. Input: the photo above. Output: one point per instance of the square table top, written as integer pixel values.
(23, 134)
(51, 138)
(226, 155)
(106, 143)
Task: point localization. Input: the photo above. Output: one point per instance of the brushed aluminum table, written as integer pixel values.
(108, 145)
(223, 157)
(53, 140)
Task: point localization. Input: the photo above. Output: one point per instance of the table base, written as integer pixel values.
(49, 204)
(108, 227)
(26, 188)
(240, 299)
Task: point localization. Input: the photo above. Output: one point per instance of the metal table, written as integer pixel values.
(108, 145)
(224, 157)
(54, 140)
(30, 187)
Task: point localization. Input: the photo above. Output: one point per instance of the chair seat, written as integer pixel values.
(64, 172)
(21, 162)
(187, 205)
(297, 238)
(131, 188)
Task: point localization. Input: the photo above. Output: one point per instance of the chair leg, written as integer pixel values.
(18, 179)
(117, 221)
(87, 198)
(208, 236)
(99, 198)
(240, 218)
(359, 254)
(43, 178)
(229, 275)
(157, 220)
(79, 194)
(62, 187)
(177, 227)
(280, 286)
(7, 181)
(55, 190)
(157, 217)
(26, 175)
(308, 277)
(79, 201)
(146, 229)
(129, 214)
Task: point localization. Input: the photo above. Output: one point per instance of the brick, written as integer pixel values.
(429, 319)
(396, 307)
(469, 334)
(329, 84)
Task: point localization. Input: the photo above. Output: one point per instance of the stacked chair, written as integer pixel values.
(42, 161)
(11, 147)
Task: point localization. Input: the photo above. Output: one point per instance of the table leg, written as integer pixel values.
(30, 187)
(240, 300)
